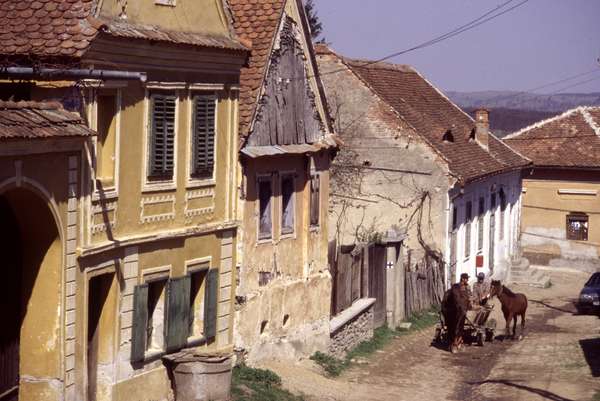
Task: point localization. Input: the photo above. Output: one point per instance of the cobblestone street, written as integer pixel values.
(557, 360)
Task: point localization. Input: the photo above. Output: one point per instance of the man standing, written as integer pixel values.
(465, 288)
(481, 290)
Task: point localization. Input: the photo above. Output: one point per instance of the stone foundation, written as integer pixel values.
(351, 327)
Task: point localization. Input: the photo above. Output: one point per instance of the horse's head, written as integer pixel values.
(495, 288)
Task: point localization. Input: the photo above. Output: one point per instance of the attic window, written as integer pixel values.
(448, 136)
(472, 135)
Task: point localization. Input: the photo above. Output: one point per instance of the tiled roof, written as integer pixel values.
(256, 21)
(31, 120)
(65, 28)
(124, 29)
(47, 28)
(431, 114)
(571, 139)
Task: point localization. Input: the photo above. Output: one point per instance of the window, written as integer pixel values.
(480, 223)
(167, 312)
(155, 339)
(453, 244)
(577, 226)
(315, 197)
(468, 217)
(265, 199)
(162, 136)
(203, 136)
(502, 210)
(107, 109)
(287, 204)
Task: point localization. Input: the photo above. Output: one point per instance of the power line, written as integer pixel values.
(456, 31)
(574, 85)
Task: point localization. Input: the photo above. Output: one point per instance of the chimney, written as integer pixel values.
(482, 127)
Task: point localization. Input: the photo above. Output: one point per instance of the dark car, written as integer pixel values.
(589, 297)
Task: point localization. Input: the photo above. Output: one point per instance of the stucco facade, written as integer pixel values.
(127, 239)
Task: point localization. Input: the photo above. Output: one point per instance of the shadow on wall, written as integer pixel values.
(591, 350)
(542, 393)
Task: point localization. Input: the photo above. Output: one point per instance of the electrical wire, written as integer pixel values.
(574, 85)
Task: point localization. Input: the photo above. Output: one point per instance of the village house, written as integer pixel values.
(560, 221)
(118, 171)
(286, 146)
(415, 165)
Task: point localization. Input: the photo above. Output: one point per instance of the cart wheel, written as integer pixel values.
(438, 335)
(480, 339)
(489, 336)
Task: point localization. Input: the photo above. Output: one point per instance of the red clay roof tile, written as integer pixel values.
(570, 140)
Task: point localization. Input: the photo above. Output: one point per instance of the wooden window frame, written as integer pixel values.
(581, 235)
(468, 223)
(260, 235)
(194, 179)
(503, 204)
(314, 200)
(288, 231)
(480, 224)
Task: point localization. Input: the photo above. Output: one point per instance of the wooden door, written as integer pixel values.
(99, 288)
(10, 303)
(377, 282)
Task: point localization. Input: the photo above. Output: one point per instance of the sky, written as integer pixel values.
(540, 42)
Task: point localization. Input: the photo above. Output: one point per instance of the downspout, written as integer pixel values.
(57, 73)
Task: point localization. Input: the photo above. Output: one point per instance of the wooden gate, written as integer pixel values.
(423, 286)
(377, 282)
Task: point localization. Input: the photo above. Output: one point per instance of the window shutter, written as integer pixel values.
(162, 155)
(210, 303)
(178, 313)
(140, 322)
(204, 136)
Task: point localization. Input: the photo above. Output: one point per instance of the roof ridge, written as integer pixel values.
(590, 120)
(31, 104)
(382, 64)
(541, 123)
(510, 148)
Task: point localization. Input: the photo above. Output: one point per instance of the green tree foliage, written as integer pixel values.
(316, 27)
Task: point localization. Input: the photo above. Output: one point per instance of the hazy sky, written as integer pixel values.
(540, 42)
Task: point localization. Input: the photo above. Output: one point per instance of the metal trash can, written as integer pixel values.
(200, 377)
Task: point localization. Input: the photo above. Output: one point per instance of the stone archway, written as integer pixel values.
(31, 266)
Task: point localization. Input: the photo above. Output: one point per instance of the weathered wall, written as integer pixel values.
(543, 224)
(288, 316)
(383, 171)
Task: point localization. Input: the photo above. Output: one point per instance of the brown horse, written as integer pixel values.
(513, 305)
(454, 309)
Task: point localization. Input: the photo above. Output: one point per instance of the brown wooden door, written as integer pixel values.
(377, 282)
(10, 303)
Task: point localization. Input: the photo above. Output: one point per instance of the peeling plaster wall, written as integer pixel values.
(390, 156)
(288, 316)
(543, 226)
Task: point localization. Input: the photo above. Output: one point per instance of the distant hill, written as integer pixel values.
(524, 101)
(505, 121)
(510, 111)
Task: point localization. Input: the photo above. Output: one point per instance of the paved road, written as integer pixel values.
(558, 360)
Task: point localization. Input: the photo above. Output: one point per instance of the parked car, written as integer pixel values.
(589, 297)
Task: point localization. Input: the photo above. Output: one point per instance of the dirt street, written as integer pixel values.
(558, 359)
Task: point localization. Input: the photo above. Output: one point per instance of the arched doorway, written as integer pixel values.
(30, 298)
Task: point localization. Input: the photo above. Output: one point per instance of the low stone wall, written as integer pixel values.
(357, 327)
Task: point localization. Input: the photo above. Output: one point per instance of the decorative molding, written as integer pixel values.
(157, 200)
(166, 85)
(573, 191)
(99, 209)
(199, 194)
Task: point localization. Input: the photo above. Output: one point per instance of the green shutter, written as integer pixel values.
(140, 322)
(162, 119)
(178, 313)
(203, 159)
(210, 303)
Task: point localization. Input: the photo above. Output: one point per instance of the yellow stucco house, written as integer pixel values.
(560, 223)
(119, 202)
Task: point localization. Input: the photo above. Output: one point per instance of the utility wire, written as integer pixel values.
(456, 31)
(574, 85)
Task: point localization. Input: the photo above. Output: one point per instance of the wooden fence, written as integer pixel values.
(423, 286)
